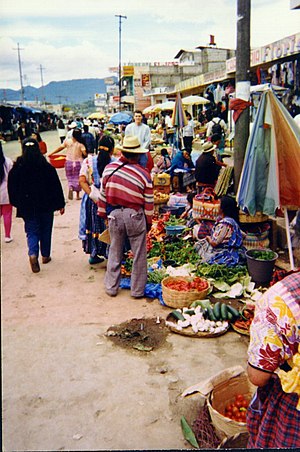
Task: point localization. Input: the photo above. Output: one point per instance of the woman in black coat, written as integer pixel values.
(35, 190)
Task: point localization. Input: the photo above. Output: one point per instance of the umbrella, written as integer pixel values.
(270, 178)
(178, 118)
(96, 115)
(195, 100)
(150, 109)
(168, 105)
(128, 112)
(121, 118)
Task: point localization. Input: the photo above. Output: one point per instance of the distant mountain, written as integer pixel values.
(68, 91)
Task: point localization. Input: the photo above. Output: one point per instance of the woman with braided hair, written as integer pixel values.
(90, 224)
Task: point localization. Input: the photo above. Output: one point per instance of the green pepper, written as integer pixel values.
(188, 433)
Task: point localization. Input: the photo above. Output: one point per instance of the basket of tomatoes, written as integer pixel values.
(228, 403)
(180, 292)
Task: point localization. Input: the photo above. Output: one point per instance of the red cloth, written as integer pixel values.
(258, 75)
(150, 163)
(238, 105)
(43, 147)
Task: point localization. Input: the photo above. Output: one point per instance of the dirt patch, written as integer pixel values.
(140, 334)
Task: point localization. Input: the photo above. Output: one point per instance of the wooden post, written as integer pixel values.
(242, 85)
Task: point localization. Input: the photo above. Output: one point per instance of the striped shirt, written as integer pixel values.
(130, 186)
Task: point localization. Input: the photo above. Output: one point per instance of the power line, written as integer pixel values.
(20, 72)
(120, 59)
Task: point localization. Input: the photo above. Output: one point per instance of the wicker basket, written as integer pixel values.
(178, 299)
(220, 396)
(190, 333)
(257, 218)
(205, 210)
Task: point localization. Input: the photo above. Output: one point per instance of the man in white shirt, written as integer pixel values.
(139, 129)
(170, 130)
(142, 131)
(217, 126)
(214, 124)
(188, 133)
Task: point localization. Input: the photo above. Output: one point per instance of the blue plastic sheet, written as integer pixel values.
(151, 290)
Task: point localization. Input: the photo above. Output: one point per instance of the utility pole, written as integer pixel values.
(42, 82)
(242, 83)
(120, 60)
(20, 73)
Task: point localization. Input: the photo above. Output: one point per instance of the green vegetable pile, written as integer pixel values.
(181, 251)
(156, 276)
(173, 221)
(220, 272)
(262, 255)
(175, 248)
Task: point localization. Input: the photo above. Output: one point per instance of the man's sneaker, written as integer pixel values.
(8, 239)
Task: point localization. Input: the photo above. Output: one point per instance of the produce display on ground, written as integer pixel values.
(173, 265)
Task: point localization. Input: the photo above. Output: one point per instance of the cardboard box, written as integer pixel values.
(161, 179)
(162, 188)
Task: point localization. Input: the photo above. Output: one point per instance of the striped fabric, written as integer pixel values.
(131, 186)
(72, 172)
(272, 418)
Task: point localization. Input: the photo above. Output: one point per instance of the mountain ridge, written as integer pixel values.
(74, 91)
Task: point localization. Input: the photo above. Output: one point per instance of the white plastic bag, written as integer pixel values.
(95, 193)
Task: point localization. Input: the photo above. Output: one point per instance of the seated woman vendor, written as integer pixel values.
(225, 244)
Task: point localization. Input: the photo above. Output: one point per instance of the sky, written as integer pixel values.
(74, 39)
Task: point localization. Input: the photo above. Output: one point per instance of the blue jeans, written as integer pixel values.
(38, 230)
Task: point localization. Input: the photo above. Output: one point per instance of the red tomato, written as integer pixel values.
(239, 403)
(235, 410)
(243, 416)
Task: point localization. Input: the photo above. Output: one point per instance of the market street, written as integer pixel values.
(65, 385)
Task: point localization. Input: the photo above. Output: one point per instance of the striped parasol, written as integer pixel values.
(178, 118)
(270, 179)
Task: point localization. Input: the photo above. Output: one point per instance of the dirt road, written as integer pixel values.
(66, 386)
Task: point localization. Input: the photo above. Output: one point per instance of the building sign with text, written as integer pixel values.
(128, 71)
(100, 100)
(280, 49)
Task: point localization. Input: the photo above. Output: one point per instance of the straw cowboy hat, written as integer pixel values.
(73, 125)
(131, 144)
(208, 147)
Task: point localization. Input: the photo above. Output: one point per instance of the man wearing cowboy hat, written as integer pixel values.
(126, 200)
(207, 167)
